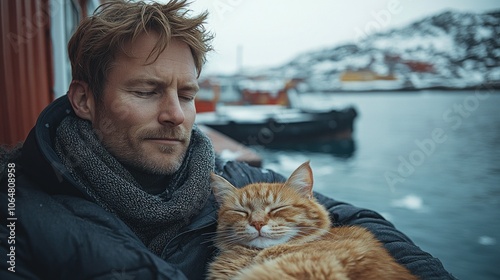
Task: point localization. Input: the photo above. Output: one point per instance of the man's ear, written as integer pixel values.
(82, 100)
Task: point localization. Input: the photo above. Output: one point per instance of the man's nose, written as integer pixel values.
(170, 110)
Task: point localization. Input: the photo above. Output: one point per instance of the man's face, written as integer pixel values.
(147, 110)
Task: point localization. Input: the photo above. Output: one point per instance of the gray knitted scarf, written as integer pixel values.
(156, 219)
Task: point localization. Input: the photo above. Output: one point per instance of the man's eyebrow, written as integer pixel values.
(159, 83)
(190, 86)
(145, 81)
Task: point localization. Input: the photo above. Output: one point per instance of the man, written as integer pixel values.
(113, 180)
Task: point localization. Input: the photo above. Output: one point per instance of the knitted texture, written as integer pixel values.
(156, 219)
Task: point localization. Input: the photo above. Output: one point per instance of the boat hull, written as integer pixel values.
(275, 130)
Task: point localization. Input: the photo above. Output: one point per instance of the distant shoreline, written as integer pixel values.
(441, 88)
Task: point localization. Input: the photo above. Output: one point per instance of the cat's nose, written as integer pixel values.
(257, 225)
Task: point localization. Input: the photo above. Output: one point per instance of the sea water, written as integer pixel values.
(428, 161)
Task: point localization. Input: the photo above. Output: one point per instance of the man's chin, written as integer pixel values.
(153, 159)
(165, 163)
(157, 168)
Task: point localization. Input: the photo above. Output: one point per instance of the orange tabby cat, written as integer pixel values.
(279, 231)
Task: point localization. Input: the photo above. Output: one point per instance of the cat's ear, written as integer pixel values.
(221, 187)
(302, 180)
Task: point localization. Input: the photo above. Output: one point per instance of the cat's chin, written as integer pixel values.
(264, 242)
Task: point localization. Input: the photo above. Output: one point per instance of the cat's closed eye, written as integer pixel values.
(242, 213)
(277, 209)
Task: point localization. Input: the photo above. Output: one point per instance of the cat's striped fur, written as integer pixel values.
(279, 231)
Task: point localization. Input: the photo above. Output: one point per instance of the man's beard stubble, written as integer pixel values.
(119, 148)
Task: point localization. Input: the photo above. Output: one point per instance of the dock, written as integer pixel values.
(230, 149)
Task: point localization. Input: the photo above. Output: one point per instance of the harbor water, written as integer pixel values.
(428, 161)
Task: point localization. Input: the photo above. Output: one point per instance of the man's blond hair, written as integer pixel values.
(98, 38)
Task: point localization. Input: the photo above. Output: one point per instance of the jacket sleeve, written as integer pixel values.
(240, 174)
(420, 263)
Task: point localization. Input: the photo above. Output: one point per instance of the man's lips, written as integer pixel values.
(164, 141)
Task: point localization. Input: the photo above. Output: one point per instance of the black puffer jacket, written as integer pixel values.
(60, 233)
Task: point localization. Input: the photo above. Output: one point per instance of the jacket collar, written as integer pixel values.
(38, 158)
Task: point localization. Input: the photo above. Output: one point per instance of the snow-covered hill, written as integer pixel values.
(450, 50)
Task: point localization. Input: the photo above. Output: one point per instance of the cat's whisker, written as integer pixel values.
(208, 241)
(209, 234)
(229, 239)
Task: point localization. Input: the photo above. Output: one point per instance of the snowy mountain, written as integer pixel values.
(448, 50)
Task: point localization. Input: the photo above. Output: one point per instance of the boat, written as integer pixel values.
(272, 119)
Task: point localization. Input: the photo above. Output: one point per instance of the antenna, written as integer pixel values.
(239, 58)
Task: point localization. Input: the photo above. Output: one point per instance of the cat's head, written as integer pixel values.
(266, 214)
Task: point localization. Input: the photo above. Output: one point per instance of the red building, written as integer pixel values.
(34, 68)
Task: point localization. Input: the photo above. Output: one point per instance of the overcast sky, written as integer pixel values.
(272, 32)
